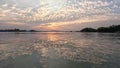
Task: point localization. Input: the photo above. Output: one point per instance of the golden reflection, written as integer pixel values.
(52, 36)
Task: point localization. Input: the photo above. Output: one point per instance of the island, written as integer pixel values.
(109, 29)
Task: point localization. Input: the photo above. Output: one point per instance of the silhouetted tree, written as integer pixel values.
(16, 30)
(102, 29)
(88, 30)
(32, 30)
(110, 29)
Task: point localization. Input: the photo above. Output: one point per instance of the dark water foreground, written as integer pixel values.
(59, 50)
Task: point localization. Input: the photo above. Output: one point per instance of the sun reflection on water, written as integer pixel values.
(52, 36)
(53, 47)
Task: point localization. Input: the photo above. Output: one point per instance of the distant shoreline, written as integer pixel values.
(56, 32)
(110, 29)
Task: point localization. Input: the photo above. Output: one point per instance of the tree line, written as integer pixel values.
(16, 30)
(110, 29)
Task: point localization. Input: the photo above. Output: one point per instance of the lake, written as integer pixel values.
(59, 50)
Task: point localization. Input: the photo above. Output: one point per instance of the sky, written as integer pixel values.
(58, 14)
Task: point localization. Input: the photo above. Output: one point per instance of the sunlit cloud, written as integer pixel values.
(38, 13)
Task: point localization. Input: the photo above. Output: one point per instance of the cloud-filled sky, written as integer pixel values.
(58, 14)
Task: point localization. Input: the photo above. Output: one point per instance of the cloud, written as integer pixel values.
(42, 12)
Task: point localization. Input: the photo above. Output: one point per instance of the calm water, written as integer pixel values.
(59, 50)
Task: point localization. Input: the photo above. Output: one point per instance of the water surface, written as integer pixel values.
(59, 50)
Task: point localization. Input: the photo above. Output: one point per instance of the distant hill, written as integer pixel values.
(110, 29)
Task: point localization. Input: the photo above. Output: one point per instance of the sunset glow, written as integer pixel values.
(54, 14)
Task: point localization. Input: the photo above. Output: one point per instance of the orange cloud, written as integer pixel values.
(58, 25)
